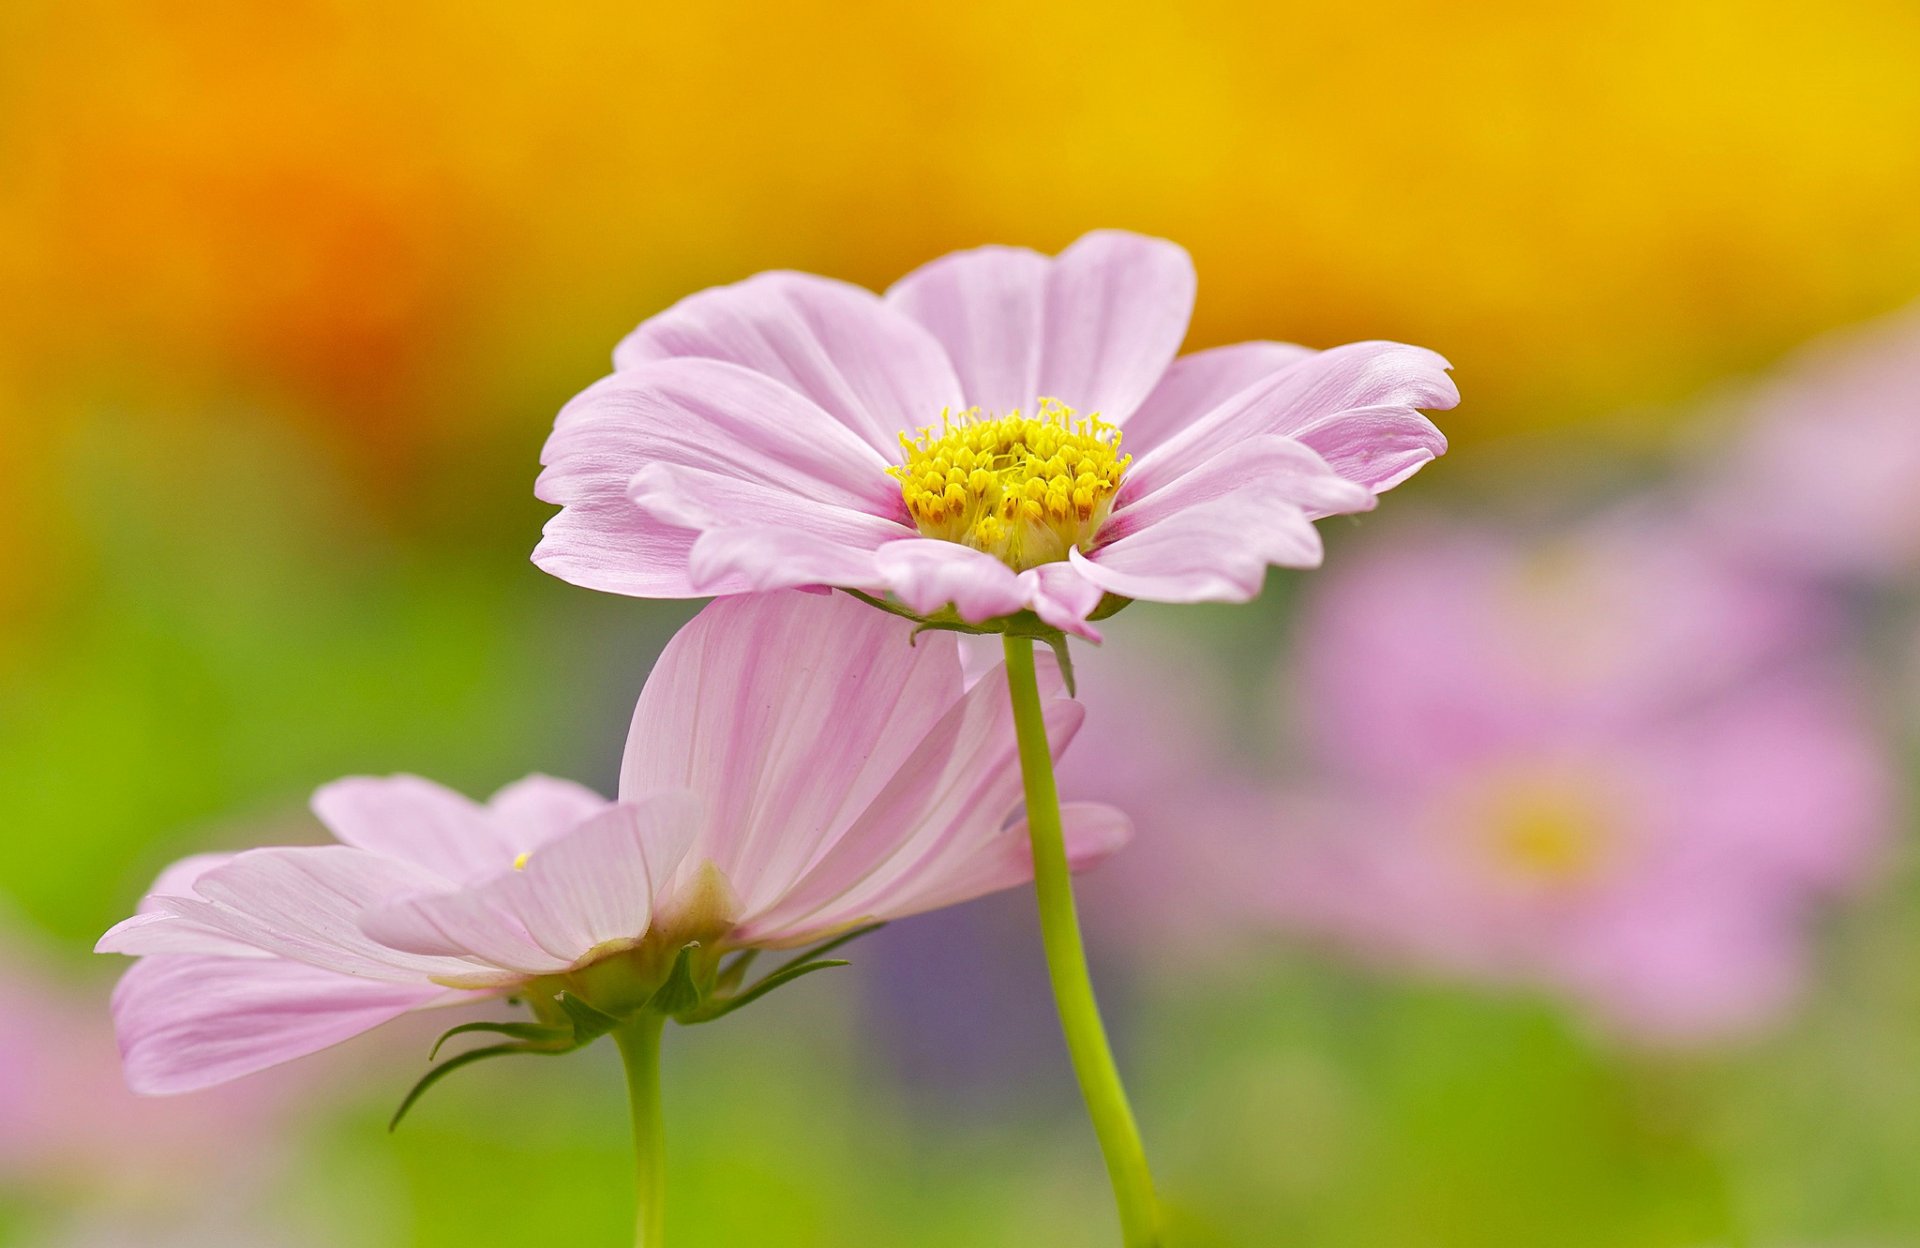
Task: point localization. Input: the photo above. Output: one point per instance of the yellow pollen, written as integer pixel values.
(1025, 489)
(1548, 832)
(520, 862)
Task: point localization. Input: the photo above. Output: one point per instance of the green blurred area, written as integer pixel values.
(294, 293)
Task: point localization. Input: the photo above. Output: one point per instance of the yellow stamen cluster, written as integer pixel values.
(1548, 832)
(1025, 489)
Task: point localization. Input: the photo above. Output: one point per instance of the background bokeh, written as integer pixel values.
(290, 293)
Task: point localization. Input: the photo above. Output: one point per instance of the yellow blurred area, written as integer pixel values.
(396, 223)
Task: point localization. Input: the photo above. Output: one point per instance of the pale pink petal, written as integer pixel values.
(1093, 833)
(589, 888)
(1062, 597)
(416, 821)
(708, 415)
(988, 308)
(760, 558)
(1316, 394)
(1214, 552)
(158, 930)
(178, 879)
(1378, 447)
(1194, 385)
(530, 812)
(942, 808)
(1094, 328)
(191, 1022)
(305, 904)
(927, 574)
(874, 370)
(1268, 467)
(784, 713)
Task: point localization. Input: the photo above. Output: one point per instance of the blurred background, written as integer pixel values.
(1536, 874)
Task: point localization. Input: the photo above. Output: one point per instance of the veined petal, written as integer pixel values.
(1093, 833)
(863, 363)
(702, 414)
(1265, 467)
(987, 307)
(712, 502)
(1094, 327)
(1314, 393)
(944, 806)
(1214, 552)
(761, 558)
(927, 574)
(157, 930)
(1379, 447)
(305, 904)
(785, 713)
(416, 821)
(189, 1022)
(532, 811)
(1194, 385)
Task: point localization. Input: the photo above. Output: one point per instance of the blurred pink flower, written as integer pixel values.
(1608, 769)
(795, 768)
(1825, 478)
(792, 430)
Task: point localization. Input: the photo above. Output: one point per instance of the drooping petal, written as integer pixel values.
(188, 1022)
(943, 807)
(760, 558)
(1195, 384)
(863, 363)
(785, 713)
(1094, 327)
(927, 574)
(305, 904)
(1378, 447)
(1062, 597)
(1214, 552)
(1318, 394)
(718, 418)
(416, 821)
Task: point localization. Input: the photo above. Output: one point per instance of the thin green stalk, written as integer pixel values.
(639, 1043)
(1067, 964)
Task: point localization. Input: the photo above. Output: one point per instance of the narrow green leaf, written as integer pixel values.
(828, 946)
(535, 1032)
(734, 973)
(785, 975)
(1059, 643)
(455, 1063)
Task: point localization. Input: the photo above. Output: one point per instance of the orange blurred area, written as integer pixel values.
(412, 231)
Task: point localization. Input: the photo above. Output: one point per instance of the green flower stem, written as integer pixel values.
(1067, 963)
(639, 1043)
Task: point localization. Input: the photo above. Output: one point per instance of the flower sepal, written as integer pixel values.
(697, 988)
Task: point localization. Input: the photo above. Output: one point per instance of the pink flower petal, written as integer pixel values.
(716, 417)
(1062, 597)
(1378, 447)
(872, 369)
(988, 309)
(1268, 467)
(417, 821)
(927, 574)
(1317, 393)
(945, 806)
(1095, 327)
(785, 713)
(530, 812)
(1213, 552)
(760, 558)
(158, 930)
(306, 903)
(191, 1022)
(1093, 833)
(1196, 384)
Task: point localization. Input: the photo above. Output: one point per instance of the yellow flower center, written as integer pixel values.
(1024, 489)
(1548, 832)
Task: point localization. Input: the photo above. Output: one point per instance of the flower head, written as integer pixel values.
(957, 443)
(1610, 770)
(795, 769)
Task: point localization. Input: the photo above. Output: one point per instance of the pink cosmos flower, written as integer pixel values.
(795, 769)
(1826, 476)
(1606, 769)
(958, 442)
